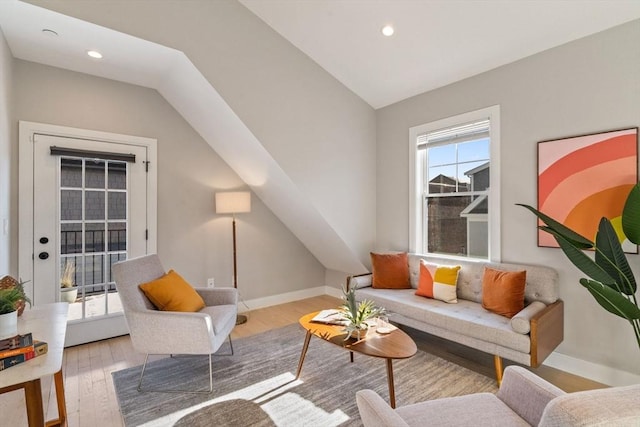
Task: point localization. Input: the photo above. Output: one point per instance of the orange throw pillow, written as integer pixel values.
(390, 271)
(503, 291)
(172, 293)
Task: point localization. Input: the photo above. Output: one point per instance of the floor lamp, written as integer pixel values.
(234, 202)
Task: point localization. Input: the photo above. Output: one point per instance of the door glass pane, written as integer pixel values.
(94, 173)
(90, 242)
(117, 236)
(71, 273)
(117, 175)
(70, 238)
(71, 173)
(113, 258)
(94, 237)
(70, 205)
(94, 205)
(117, 205)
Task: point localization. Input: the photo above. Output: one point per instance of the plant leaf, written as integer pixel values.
(611, 300)
(631, 215)
(582, 261)
(611, 257)
(578, 240)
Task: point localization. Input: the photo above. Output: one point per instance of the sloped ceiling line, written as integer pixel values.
(185, 88)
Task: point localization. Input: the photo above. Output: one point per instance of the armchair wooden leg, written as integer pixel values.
(497, 361)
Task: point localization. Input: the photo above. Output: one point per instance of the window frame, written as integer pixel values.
(416, 171)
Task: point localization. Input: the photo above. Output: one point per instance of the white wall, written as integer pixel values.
(590, 85)
(8, 260)
(319, 132)
(191, 238)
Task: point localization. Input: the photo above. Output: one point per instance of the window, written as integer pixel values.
(455, 186)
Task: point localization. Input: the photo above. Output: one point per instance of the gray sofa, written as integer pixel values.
(524, 399)
(528, 338)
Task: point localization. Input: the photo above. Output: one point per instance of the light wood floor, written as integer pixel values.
(90, 394)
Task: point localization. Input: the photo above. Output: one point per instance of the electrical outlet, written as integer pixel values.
(210, 282)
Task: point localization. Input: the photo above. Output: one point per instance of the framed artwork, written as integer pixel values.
(584, 178)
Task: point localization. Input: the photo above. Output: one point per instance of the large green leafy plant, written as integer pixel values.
(611, 281)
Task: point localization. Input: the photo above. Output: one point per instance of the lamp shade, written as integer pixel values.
(233, 202)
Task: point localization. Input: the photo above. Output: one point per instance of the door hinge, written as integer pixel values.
(146, 234)
(146, 166)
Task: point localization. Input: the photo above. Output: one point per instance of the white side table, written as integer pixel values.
(46, 323)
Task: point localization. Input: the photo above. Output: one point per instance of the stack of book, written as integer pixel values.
(19, 349)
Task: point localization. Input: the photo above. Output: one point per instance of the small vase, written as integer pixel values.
(68, 295)
(361, 333)
(9, 324)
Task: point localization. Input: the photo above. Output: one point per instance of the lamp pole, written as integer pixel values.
(240, 318)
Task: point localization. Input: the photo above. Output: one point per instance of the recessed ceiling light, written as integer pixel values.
(94, 54)
(387, 30)
(49, 32)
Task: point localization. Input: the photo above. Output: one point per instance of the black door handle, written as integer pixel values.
(43, 255)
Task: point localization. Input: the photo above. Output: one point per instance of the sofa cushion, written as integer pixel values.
(438, 282)
(503, 291)
(390, 271)
(466, 318)
(542, 282)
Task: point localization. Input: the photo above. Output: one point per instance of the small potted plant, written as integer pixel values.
(68, 289)
(8, 282)
(9, 299)
(357, 314)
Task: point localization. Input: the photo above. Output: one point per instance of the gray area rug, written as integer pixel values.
(257, 386)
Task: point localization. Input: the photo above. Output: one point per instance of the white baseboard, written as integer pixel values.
(593, 371)
(254, 304)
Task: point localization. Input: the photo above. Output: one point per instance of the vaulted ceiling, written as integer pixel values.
(436, 43)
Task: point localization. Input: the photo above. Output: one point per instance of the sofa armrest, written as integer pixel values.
(615, 406)
(375, 412)
(218, 296)
(526, 393)
(361, 280)
(547, 332)
(521, 322)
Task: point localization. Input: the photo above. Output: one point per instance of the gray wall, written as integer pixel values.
(319, 132)
(191, 238)
(590, 85)
(8, 261)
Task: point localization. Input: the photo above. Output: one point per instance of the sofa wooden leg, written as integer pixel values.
(497, 361)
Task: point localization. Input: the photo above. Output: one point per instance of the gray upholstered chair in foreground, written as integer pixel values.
(171, 332)
(524, 399)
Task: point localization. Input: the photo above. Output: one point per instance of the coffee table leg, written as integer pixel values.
(305, 347)
(392, 393)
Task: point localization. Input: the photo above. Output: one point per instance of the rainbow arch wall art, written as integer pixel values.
(583, 178)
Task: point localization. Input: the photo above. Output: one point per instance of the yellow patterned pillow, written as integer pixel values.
(172, 293)
(438, 282)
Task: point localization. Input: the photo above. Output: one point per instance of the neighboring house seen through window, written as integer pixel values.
(452, 173)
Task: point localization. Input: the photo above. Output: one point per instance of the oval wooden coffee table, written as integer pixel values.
(394, 345)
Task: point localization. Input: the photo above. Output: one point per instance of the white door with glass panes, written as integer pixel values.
(90, 209)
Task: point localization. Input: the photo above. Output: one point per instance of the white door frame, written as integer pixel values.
(26, 186)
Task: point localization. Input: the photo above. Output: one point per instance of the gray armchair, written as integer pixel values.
(168, 332)
(523, 399)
